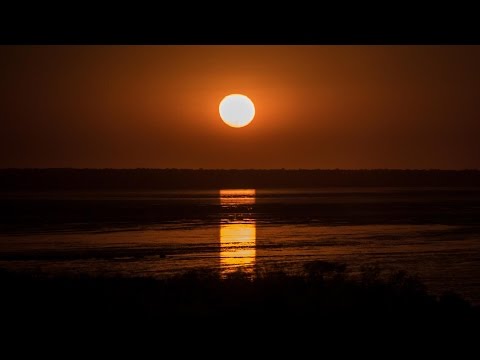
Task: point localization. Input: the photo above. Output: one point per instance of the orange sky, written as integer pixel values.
(316, 106)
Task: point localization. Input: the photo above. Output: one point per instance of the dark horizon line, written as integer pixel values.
(236, 169)
(171, 178)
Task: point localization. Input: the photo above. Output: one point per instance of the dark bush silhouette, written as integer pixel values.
(323, 294)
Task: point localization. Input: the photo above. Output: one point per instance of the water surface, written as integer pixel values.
(432, 232)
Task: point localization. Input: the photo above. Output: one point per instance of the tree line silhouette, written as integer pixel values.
(158, 179)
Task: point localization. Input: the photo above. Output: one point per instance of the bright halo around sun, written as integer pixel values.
(236, 110)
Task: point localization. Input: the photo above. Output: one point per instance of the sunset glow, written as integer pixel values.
(286, 188)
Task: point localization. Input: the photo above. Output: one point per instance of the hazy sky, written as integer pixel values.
(316, 106)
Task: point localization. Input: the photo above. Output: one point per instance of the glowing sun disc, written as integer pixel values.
(236, 110)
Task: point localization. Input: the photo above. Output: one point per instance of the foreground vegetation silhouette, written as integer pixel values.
(323, 291)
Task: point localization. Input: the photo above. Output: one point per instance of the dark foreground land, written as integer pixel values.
(322, 297)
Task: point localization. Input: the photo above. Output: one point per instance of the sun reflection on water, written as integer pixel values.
(237, 234)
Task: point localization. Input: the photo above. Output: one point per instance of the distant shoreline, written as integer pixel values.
(163, 179)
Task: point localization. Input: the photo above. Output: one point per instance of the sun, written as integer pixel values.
(236, 110)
